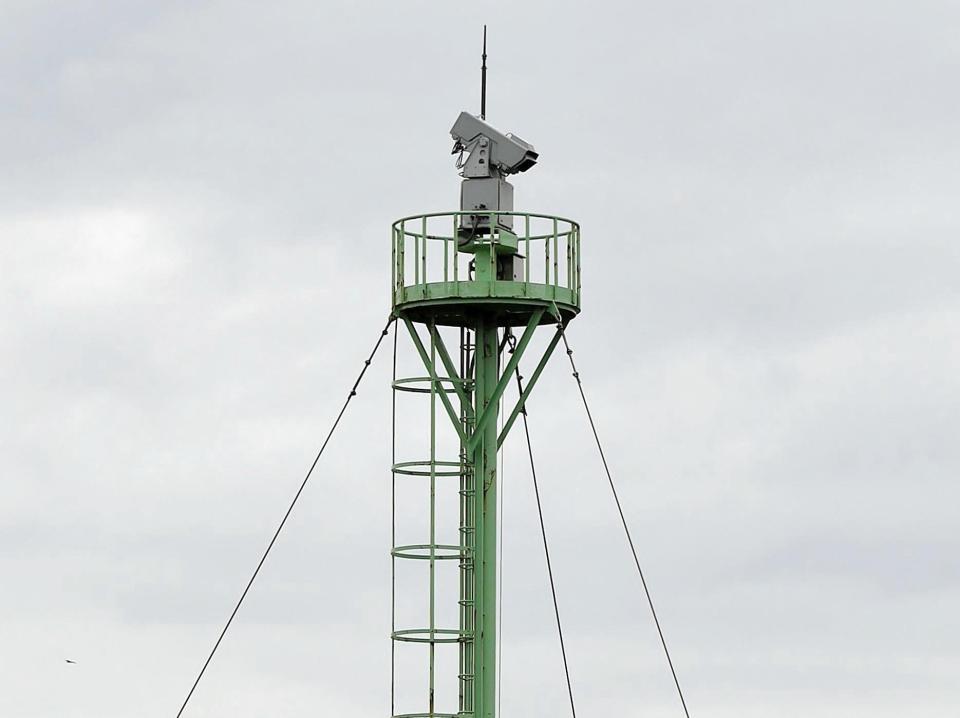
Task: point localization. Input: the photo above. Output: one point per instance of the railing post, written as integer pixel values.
(546, 260)
(494, 240)
(456, 251)
(556, 259)
(416, 257)
(423, 235)
(578, 265)
(402, 258)
(526, 249)
(446, 260)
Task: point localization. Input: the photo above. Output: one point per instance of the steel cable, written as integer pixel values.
(623, 520)
(546, 547)
(283, 521)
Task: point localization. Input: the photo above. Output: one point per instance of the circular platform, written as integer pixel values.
(452, 267)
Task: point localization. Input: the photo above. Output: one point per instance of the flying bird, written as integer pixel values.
(69, 661)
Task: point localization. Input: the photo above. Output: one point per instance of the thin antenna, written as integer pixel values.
(483, 78)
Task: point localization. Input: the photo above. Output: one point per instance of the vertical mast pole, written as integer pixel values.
(485, 457)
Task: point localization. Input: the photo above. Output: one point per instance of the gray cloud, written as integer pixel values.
(194, 224)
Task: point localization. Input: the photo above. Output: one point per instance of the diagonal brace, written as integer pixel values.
(431, 370)
(521, 402)
(490, 408)
(452, 373)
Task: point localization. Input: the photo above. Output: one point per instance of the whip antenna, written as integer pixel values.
(483, 78)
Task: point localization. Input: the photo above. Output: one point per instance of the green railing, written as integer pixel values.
(436, 256)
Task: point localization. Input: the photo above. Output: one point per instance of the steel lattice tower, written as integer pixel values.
(476, 275)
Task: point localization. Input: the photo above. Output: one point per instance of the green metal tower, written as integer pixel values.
(474, 276)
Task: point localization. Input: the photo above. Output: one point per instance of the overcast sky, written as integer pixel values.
(195, 201)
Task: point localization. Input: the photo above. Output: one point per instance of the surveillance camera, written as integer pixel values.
(489, 150)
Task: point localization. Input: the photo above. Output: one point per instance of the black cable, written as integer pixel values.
(353, 393)
(546, 548)
(623, 519)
